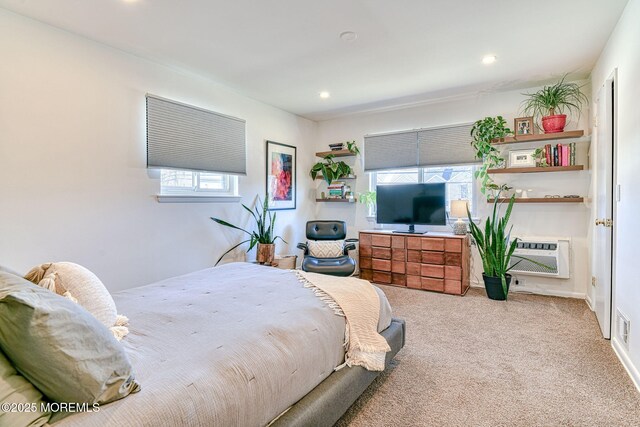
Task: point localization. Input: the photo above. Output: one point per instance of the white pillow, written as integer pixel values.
(326, 248)
(81, 286)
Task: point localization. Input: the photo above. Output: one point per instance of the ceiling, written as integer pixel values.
(284, 52)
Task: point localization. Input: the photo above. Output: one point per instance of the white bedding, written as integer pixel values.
(229, 346)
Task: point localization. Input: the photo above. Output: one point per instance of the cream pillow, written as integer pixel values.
(326, 248)
(81, 286)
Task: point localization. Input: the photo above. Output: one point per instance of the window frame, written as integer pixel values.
(196, 193)
(421, 172)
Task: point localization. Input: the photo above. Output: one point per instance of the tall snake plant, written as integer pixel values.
(495, 245)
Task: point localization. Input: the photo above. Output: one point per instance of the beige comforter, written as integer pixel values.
(234, 345)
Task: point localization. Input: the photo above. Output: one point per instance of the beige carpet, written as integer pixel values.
(470, 361)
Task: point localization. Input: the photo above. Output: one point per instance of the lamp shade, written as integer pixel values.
(459, 208)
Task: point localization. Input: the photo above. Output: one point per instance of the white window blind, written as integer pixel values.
(184, 137)
(447, 145)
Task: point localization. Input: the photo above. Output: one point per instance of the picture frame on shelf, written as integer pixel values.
(522, 158)
(523, 126)
(281, 174)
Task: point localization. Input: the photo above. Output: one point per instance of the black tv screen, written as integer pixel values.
(411, 204)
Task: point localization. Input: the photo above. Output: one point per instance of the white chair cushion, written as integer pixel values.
(83, 287)
(326, 248)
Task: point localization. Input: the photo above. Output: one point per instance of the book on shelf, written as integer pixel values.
(565, 155)
(547, 153)
(572, 155)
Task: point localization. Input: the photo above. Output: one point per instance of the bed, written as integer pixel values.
(241, 344)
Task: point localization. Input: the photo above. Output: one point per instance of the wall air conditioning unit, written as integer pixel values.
(552, 252)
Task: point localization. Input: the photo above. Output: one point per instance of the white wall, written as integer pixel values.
(622, 52)
(73, 183)
(552, 220)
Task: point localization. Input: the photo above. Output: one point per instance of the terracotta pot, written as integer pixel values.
(554, 124)
(265, 253)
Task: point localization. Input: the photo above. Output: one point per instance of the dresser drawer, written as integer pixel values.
(398, 267)
(365, 250)
(431, 284)
(398, 254)
(365, 262)
(365, 239)
(381, 264)
(432, 244)
(381, 277)
(451, 258)
(397, 242)
(453, 245)
(414, 256)
(430, 270)
(398, 279)
(414, 282)
(383, 253)
(431, 257)
(366, 274)
(413, 268)
(414, 243)
(453, 273)
(453, 287)
(381, 240)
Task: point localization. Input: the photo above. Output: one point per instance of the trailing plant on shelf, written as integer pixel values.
(551, 102)
(263, 236)
(484, 132)
(330, 169)
(496, 250)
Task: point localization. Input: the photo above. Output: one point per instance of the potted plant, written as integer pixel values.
(330, 169)
(484, 132)
(550, 102)
(496, 250)
(263, 236)
(353, 148)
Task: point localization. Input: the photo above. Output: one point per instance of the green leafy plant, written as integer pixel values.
(540, 157)
(495, 245)
(264, 232)
(554, 99)
(484, 132)
(351, 146)
(368, 198)
(330, 169)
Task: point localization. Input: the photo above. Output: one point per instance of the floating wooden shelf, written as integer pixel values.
(337, 200)
(541, 200)
(539, 137)
(342, 177)
(538, 169)
(336, 153)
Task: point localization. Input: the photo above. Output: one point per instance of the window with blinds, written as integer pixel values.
(184, 137)
(441, 146)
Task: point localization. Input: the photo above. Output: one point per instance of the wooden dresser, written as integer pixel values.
(437, 262)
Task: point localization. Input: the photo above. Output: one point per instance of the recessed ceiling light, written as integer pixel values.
(348, 36)
(488, 59)
(324, 94)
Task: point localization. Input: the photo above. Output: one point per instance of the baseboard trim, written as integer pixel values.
(623, 356)
(587, 298)
(538, 291)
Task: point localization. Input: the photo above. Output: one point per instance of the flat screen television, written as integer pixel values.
(411, 204)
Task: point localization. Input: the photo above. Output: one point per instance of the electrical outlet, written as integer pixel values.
(518, 281)
(623, 328)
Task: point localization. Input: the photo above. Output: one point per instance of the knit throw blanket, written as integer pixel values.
(357, 301)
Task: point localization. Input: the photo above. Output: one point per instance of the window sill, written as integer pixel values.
(184, 198)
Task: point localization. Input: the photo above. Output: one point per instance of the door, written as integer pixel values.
(603, 232)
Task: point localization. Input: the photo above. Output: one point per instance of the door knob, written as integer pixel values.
(600, 222)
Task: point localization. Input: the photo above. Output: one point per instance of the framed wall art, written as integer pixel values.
(281, 176)
(523, 126)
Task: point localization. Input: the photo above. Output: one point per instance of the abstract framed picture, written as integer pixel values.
(281, 176)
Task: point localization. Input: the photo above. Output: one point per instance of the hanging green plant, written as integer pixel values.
(483, 132)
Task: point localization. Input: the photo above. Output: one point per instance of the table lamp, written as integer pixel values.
(459, 210)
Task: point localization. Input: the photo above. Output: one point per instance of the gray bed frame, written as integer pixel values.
(325, 404)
